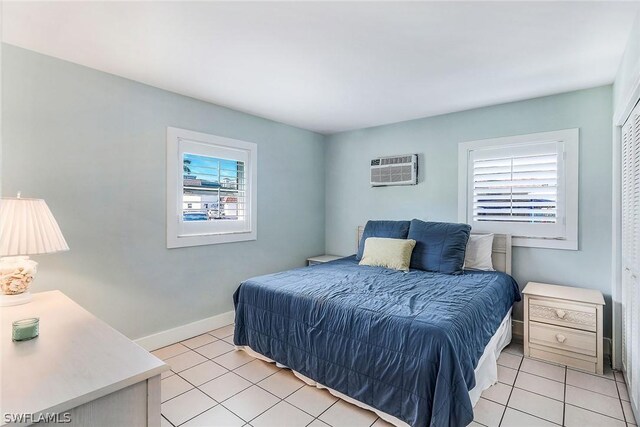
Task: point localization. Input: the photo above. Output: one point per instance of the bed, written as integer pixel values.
(417, 348)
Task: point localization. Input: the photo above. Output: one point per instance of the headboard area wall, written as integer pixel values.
(501, 253)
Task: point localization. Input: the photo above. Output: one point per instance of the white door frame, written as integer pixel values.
(616, 223)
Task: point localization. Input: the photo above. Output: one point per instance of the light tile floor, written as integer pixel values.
(210, 385)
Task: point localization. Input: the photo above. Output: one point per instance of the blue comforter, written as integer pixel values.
(404, 343)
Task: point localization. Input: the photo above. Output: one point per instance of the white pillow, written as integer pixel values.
(478, 254)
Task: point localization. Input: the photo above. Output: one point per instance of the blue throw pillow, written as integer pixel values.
(388, 229)
(440, 246)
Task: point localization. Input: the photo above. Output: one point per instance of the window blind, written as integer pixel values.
(214, 189)
(516, 188)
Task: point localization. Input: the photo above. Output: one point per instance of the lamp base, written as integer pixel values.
(9, 300)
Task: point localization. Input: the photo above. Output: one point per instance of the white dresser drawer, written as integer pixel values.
(562, 338)
(563, 313)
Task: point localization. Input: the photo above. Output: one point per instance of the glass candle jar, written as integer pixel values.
(25, 329)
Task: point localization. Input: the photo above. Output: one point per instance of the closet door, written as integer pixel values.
(631, 251)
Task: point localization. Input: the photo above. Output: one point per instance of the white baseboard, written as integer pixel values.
(170, 336)
(517, 333)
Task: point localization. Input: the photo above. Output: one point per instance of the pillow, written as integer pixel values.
(388, 229)
(388, 253)
(440, 246)
(478, 255)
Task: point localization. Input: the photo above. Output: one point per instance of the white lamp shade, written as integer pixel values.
(27, 227)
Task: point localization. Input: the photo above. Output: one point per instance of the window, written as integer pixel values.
(526, 186)
(211, 189)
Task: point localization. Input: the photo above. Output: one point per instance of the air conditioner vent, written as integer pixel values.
(394, 170)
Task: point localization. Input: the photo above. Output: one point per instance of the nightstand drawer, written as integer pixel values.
(563, 338)
(563, 314)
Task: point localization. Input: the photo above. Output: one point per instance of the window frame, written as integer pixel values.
(203, 144)
(569, 179)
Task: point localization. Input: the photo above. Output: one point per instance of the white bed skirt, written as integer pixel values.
(486, 371)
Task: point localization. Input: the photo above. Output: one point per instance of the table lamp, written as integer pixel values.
(27, 227)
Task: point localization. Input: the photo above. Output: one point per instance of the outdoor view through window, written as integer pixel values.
(213, 189)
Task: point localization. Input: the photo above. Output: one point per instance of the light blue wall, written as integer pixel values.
(93, 146)
(629, 69)
(350, 201)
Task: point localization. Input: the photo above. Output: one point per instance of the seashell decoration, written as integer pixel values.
(16, 274)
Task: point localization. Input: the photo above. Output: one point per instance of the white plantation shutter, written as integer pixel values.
(235, 221)
(211, 189)
(518, 189)
(631, 251)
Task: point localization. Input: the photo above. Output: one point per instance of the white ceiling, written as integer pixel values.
(336, 66)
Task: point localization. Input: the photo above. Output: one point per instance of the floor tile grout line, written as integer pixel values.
(564, 400)
(565, 383)
(510, 392)
(596, 412)
(252, 419)
(164, 360)
(252, 384)
(286, 397)
(538, 394)
(227, 398)
(193, 348)
(535, 416)
(193, 386)
(197, 415)
(197, 364)
(180, 394)
(167, 420)
(593, 374)
(624, 415)
(330, 406)
(282, 398)
(198, 387)
(540, 376)
(593, 391)
(297, 407)
(218, 355)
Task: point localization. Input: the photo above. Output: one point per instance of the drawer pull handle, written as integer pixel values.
(560, 313)
(561, 338)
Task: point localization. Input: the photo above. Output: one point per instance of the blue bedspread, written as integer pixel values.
(404, 343)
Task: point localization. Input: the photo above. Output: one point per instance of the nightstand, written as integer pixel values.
(321, 259)
(564, 325)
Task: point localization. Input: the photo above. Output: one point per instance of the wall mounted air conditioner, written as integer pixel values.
(394, 170)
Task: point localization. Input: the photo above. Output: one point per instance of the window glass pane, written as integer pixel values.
(212, 189)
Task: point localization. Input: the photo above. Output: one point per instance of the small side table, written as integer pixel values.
(564, 325)
(321, 259)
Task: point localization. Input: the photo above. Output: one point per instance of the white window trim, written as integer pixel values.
(174, 189)
(570, 137)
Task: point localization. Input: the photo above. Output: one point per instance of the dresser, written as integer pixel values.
(79, 367)
(564, 325)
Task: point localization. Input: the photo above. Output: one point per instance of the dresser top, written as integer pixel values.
(75, 359)
(564, 292)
